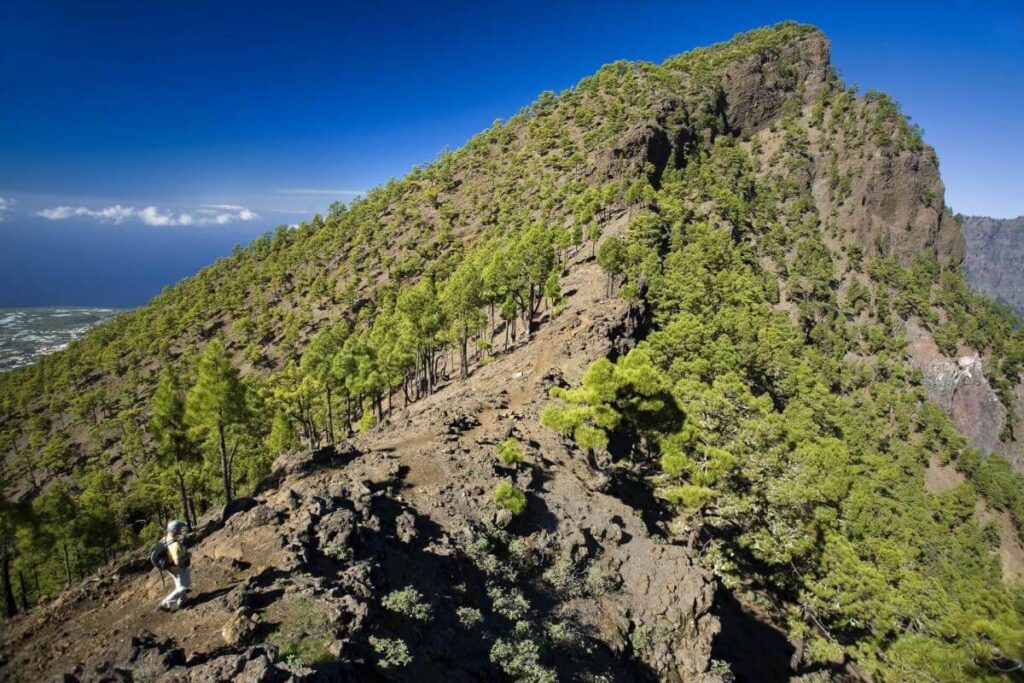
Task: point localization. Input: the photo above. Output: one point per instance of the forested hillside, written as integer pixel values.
(767, 240)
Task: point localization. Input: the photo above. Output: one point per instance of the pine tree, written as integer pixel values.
(463, 303)
(419, 306)
(283, 435)
(536, 250)
(612, 259)
(553, 289)
(318, 362)
(58, 511)
(216, 403)
(170, 432)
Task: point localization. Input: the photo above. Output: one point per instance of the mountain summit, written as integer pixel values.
(671, 376)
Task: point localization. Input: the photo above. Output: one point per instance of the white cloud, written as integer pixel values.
(151, 215)
(211, 214)
(6, 204)
(221, 207)
(56, 213)
(221, 214)
(115, 214)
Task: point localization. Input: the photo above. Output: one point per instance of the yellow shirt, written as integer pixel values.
(177, 553)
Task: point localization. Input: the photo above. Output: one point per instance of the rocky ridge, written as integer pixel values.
(333, 532)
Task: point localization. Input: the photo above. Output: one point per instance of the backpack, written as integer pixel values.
(158, 555)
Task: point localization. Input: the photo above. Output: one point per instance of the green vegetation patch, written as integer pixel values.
(508, 497)
(305, 633)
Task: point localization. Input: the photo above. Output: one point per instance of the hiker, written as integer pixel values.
(176, 563)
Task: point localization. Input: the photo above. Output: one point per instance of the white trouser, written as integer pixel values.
(182, 582)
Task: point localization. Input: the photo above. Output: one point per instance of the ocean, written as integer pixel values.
(28, 333)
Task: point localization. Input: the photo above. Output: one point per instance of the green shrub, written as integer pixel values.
(565, 634)
(564, 578)
(510, 603)
(469, 616)
(393, 652)
(510, 452)
(520, 661)
(508, 497)
(338, 551)
(305, 632)
(408, 602)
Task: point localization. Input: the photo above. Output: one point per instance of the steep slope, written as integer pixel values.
(745, 448)
(334, 532)
(570, 162)
(995, 258)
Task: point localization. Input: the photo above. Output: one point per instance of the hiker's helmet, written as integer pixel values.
(176, 526)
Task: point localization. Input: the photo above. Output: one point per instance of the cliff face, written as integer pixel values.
(892, 218)
(959, 386)
(995, 258)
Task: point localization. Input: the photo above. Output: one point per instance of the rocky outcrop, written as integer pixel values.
(754, 89)
(958, 385)
(995, 258)
(890, 217)
(638, 147)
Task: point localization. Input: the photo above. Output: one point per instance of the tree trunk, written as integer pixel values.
(67, 564)
(225, 466)
(330, 417)
(348, 414)
(24, 591)
(428, 371)
(184, 497)
(798, 656)
(465, 360)
(313, 430)
(10, 607)
(79, 568)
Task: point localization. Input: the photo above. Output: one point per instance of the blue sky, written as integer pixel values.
(156, 135)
